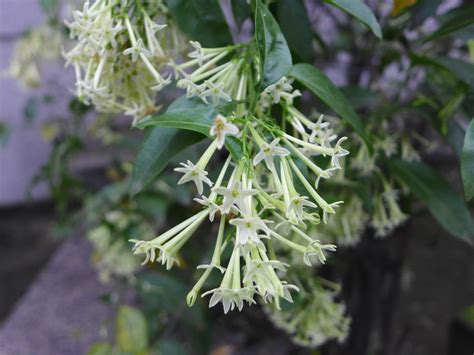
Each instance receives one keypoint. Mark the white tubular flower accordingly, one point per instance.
(268, 152)
(297, 205)
(169, 242)
(339, 152)
(314, 318)
(380, 221)
(136, 50)
(234, 197)
(390, 197)
(195, 174)
(230, 298)
(248, 228)
(231, 293)
(144, 247)
(221, 128)
(197, 53)
(279, 89)
(317, 249)
(210, 204)
(112, 54)
(215, 91)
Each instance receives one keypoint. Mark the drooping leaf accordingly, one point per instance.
(241, 10)
(435, 192)
(455, 20)
(360, 11)
(131, 331)
(322, 87)
(201, 20)
(159, 147)
(275, 56)
(467, 162)
(296, 27)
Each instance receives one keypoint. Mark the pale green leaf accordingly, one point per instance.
(467, 162)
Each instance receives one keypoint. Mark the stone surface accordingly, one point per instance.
(61, 314)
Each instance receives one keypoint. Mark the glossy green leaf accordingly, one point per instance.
(275, 56)
(131, 331)
(467, 162)
(435, 192)
(190, 114)
(201, 20)
(456, 20)
(296, 27)
(194, 115)
(159, 147)
(314, 80)
(360, 11)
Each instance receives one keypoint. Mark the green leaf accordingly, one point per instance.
(201, 20)
(322, 87)
(170, 347)
(360, 11)
(456, 19)
(131, 331)
(159, 147)
(467, 162)
(455, 136)
(435, 192)
(296, 27)
(462, 70)
(194, 115)
(241, 10)
(275, 56)
(191, 114)
(167, 293)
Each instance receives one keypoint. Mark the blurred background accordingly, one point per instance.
(67, 288)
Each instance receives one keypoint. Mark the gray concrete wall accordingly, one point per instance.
(25, 150)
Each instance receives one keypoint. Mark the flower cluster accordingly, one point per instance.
(121, 54)
(267, 196)
(314, 318)
(36, 47)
